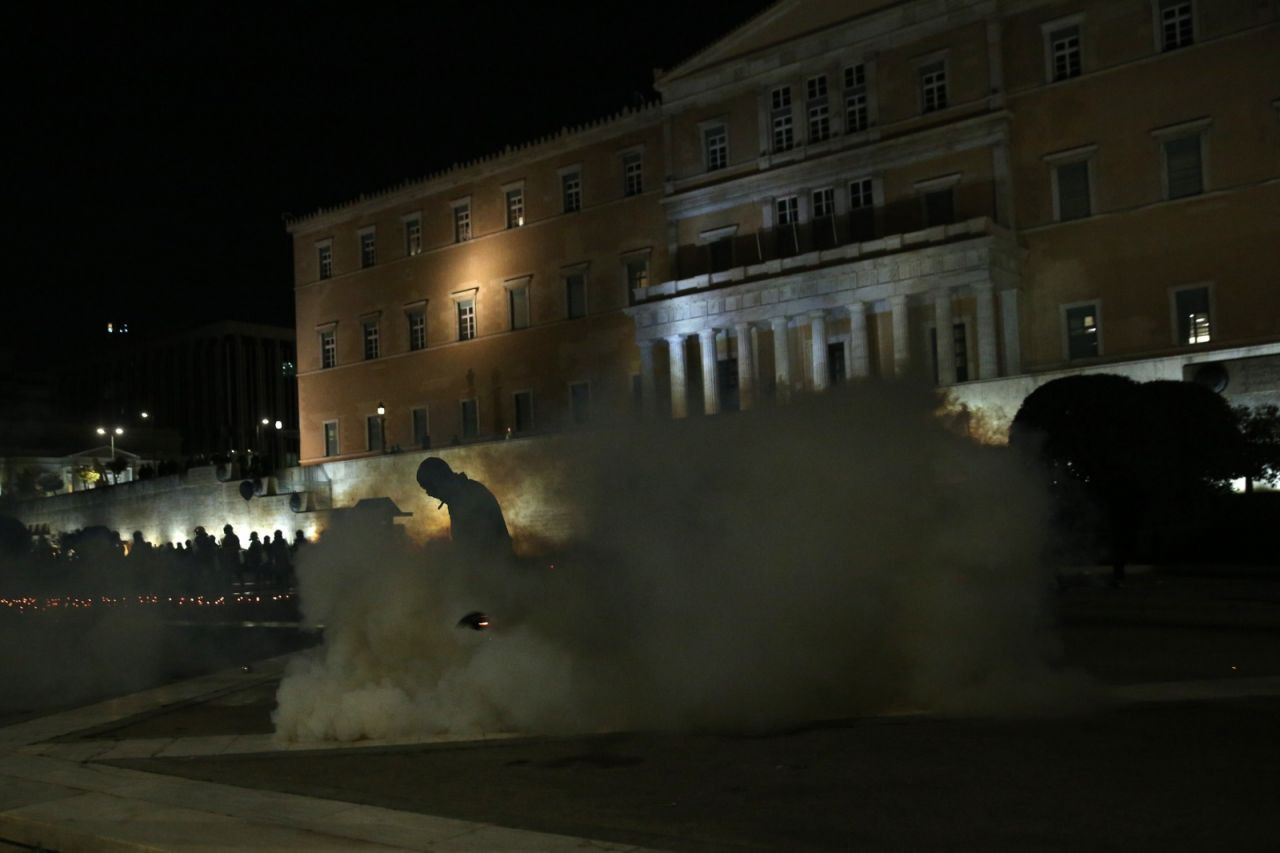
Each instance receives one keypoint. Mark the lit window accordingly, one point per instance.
(518, 301)
(1073, 190)
(462, 222)
(1064, 52)
(324, 260)
(632, 174)
(466, 319)
(330, 438)
(576, 295)
(824, 202)
(328, 349)
(571, 191)
(368, 249)
(783, 132)
(524, 411)
(1082, 331)
(1184, 166)
(716, 147)
(371, 343)
(1177, 24)
(413, 235)
(1191, 307)
(933, 86)
(788, 210)
(637, 274)
(515, 208)
(417, 330)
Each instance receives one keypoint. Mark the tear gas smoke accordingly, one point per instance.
(848, 554)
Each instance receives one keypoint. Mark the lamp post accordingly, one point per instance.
(112, 433)
(382, 426)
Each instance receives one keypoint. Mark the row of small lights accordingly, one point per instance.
(266, 422)
(26, 603)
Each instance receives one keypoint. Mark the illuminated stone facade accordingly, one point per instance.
(1059, 186)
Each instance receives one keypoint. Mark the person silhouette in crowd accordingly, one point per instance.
(252, 559)
(231, 554)
(281, 565)
(298, 540)
(139, 547)
(476, 525)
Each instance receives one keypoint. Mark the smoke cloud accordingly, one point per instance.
(849, 554)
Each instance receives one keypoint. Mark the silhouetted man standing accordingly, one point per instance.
(476, 524)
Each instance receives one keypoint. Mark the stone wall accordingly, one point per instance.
(521, 473)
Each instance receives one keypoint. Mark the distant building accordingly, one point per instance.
(987, 193)
(213, 385)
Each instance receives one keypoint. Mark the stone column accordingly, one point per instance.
(818, 334)
(986, 313)
(901, 341)
(859, 352)
(943, 336)
(679, 394)
(746, 367)
(648, 380)
(781, 359)
(710, 378)
(1012, 334)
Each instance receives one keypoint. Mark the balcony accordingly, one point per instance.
(808, 245)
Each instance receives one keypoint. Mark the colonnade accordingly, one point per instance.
(859, 351)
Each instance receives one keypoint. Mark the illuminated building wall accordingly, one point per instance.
(983, 194)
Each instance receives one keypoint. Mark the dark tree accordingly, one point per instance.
(117, 467)
(1132, 450)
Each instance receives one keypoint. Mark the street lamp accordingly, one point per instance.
(382, 425)
(113, 433)
(144, 415)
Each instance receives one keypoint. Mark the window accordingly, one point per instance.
(328, 349)
(524, 411)
(324, 259)
(371, 343)
(515, 207)
(580, 402)
(466, 319)
(1071, 185)
(518, 302)
(462, 222)
(860, 194)
(1191, 310)
(576, 295)
(632, 174)
(819, 114)
(939, 208)
(1184, 167)
(1082, 331)
(637, 274)
(470, 418)
(413, 235)
(783, 132)
(420, 426)
(571, 191)
(933, 86)
(824, 202)
(856, 118)
(1177, 24)
(720, 252)
(330, 438)
(715, 146)
(373, 427)
(788, 210)
(1063, 46)
(368, 248)
(417, 330)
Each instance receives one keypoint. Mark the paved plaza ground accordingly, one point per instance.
(1182, 755)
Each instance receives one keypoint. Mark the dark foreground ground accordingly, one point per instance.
(1149, 770)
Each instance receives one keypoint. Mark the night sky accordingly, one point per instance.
(158, 146)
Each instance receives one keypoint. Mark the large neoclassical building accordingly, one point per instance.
(985, 193)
